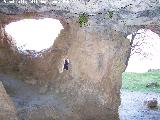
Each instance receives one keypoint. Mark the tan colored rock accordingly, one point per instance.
(7, 108)
(92, 84)
(98, 55)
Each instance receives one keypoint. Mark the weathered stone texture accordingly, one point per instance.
(92, 84)
(7, 108)
(98, 54)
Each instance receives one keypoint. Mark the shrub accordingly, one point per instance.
(110, 14)
(83, 19)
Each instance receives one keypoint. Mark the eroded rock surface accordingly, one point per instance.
(127, 14)
(7, 108)
(94, 78)
(98, 54)
(88, 88)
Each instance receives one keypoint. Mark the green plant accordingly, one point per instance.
(83, 19)
(110, 14)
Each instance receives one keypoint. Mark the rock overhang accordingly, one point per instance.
(97, 59)
(128, 15)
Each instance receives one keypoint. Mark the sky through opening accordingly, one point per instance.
(32, 34)
(140, 64)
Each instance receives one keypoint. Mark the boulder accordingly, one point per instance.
(151, 103)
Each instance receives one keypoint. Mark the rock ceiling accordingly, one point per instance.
(126, 13)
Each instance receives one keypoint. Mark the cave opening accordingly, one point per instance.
(144, 51)
(34, 35)
(31, 50)
(140, 81)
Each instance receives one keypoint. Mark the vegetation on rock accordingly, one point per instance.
(83, 19)
(110, 14)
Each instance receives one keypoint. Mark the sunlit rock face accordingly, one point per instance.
(98, 54)
(92, 83)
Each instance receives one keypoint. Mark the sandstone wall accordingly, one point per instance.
(9, 57)
(97, 52)
(91, 86)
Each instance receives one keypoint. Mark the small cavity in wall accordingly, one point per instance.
(64, 65)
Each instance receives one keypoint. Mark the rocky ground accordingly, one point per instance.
(33, 105)
(133, 108)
